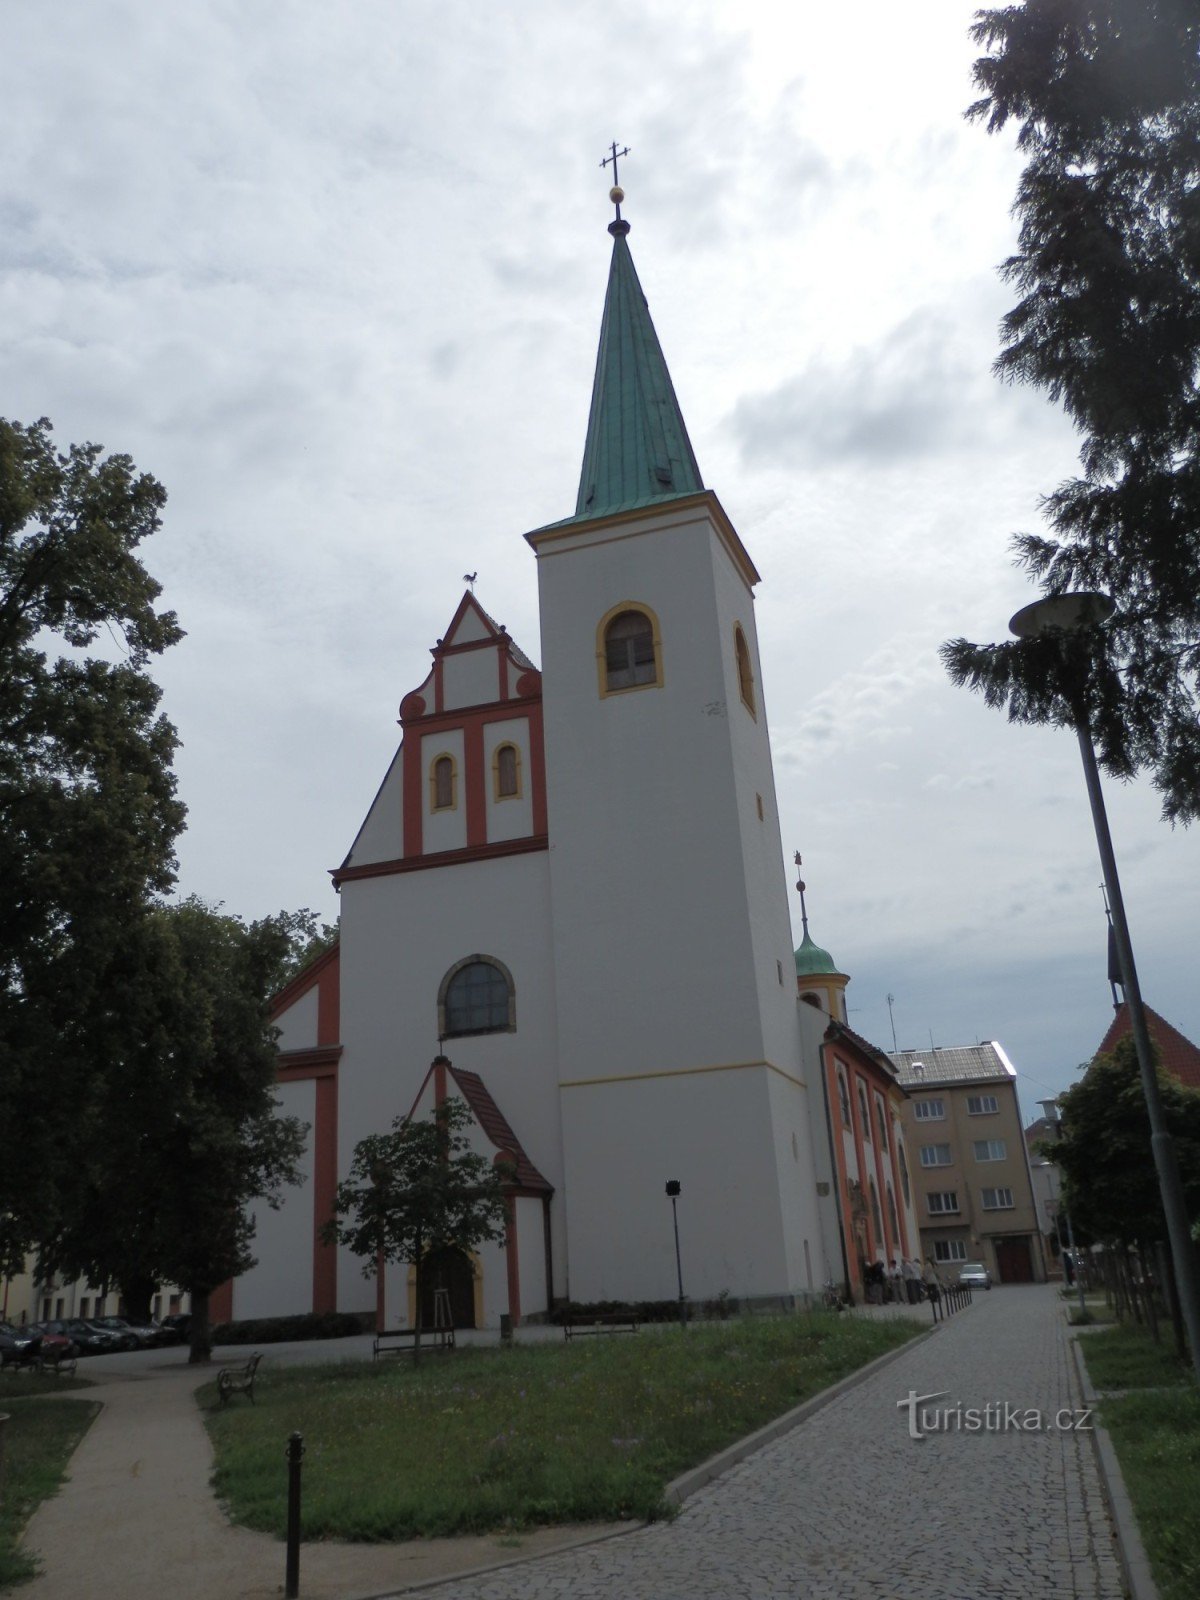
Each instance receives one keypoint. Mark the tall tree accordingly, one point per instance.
(88, 813)
(182, 1126)
(418, 1190)
(1105, 95)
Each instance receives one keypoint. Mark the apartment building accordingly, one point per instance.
(973, 1189)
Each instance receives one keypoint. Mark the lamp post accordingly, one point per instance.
(1050, 1112)
(1064, 615)
(673, 1193)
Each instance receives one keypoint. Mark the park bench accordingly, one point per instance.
(605, 1322)
(59, 1362)
(238, 1380)
(399, 1341)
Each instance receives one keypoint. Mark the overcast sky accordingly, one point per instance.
(333, 272)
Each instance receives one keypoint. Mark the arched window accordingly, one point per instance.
(745, 675)
(893, 1222)
(876, 1218)
(863, 1113)
(628, 649)
(844, 1097)
(506, 772)
(904, 1174)
(881, 1123)
(476, 996)
(443, 785)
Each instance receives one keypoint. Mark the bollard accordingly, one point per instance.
(295, 1455)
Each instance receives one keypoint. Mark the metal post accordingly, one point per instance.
(673, 1188)
(295, 1455)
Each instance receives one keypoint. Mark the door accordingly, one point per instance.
(1014, 1261)
(451, 1270)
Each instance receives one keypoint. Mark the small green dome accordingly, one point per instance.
(811, 960)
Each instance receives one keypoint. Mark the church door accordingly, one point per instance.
(448, 1269)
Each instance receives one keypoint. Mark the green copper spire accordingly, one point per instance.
(637, 446)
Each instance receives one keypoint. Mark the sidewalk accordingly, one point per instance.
(846, 1507)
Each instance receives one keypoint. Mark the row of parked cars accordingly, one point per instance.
(65, 1338)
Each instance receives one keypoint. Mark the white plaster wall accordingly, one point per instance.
(712, 1131)
(400, 935)
(282, 1282)
(298, 1024)
(531, 1257)
(443, 830)
(471, 627)
(470, 679)
(381, 837)
(512, 817)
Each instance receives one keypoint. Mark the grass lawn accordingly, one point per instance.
(1157, 1440)
(38, 1441)
(1126, 1357)
(486, 1439)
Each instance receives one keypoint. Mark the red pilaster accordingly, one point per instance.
(324, 1292)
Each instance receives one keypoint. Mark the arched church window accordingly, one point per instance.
(844, 1097)
(876, 1216)
(629, 651)
(863, 1113)
(476, 996)
(506, 772)
(745, 676)
(443, 785)
(903, 1174)
(893, 1222)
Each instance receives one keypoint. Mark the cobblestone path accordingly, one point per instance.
(849, 1507)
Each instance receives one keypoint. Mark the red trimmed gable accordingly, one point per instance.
(323, 973)
(1179, 1055)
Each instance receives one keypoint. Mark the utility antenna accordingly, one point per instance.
(891, 1018)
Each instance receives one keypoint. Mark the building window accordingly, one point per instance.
(981, 1105)
(949, 1250)
(443, 785)
(990, 1149)
(876, 1215)
(864, 1114)
(907, 1192)
(629, 650)
(929, 1110)
(844, 1097)
(745, 675)
(881, 1122)
(759, 804)
(935, 1155)
(939, 1204)
(893, 1221)
(506, 772)
(476, 996)
(998, 1200)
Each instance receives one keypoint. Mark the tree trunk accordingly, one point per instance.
(201, 1334)
(136, 1294)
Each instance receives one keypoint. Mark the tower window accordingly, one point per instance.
(629, 652)
(506, 772)
(476, 996)
(745, 675)
(443, 785)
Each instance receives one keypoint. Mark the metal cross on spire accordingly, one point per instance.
(616, 194)
(800, 884)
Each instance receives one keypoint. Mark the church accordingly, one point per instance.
(568, 894)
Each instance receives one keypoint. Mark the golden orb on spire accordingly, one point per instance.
(616, 194)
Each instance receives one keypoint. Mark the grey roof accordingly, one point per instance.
(971, 1063)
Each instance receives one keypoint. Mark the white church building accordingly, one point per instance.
(569, 888)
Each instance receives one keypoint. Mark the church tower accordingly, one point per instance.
(679, 1043)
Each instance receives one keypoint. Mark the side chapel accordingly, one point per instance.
(571, 876)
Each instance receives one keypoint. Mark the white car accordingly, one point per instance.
(974, 1276)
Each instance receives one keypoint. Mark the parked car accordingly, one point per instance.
(54, 1345)
(87, 1341)
(179, 1323)
(974, 1276)
(18, 1346)
(127, 1338)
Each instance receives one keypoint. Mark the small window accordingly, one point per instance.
(630, 652)
(759, 804)
(506, 772)
(949, 1250)
(981, 1105)
(935, 1155)
(443, 785)
(477, 996)
(939, 1204)
(990, 1149)
(998, 1200)
(745, 676)
(929, 1110)
(881, 1122)
(844, 1097)
(863, 1113)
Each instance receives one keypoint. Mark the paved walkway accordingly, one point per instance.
(846, 1507)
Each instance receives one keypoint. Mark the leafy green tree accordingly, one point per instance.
(181, 1131)
(1110, 1184)
(88, 813)
(1105, 96)
(417, 1190)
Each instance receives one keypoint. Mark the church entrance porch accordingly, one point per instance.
(451, 1272)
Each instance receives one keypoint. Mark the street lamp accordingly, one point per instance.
(1050, 1113)
(1064, 615)
(673, 1193)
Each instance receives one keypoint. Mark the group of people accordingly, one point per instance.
(903, 1281)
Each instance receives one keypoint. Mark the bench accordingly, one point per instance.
(607, 1322)
(238, 1380)
(401, 1340)
(59, 1362)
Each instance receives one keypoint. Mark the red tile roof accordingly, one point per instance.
(1180, 1056)
(492, 1120)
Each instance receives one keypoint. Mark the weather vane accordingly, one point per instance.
(616, 194)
